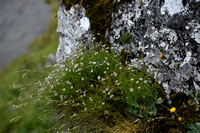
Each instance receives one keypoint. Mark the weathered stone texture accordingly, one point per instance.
(157, 27)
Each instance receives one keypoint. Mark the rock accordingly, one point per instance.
(168, 27)
(156, 27)
(74, 28)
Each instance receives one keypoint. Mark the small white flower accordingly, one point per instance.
(64, 89)
(71, 87)
(98, 77)
(107, 89)
(111, 96)
(108, 93)
(141, 79)
(91, 71)
(103, 103)
(137, 82)
(91, 85)
(138, 87)
(75, 66)
(105, 72)
(104, 91)
(94, 63)
(131, 89)
(132, 79)
(106, 58)
(108, 63)
(145, 81)
(85, 109)
(107, 68)
(120, 68)
(82, 78)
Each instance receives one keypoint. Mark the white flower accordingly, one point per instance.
(85, 109)
(103, 103)
(91, 71)
(108, 63)
(131, 89)
(120, 68)
(111, 96)
(137, 82)
(145, 81)
(82, 78)
(75, 66)
(138, 87)
(63, 89)
(71, 87)
(141, 79)
(98, 77)
(132, 79)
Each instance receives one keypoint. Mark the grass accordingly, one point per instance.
(94, 90)
(13, 73)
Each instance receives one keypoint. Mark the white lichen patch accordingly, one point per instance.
(72, 25)
(187, 58)
(196, 31)
(172, 7)
(85, 23)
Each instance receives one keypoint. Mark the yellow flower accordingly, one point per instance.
(161, 56)
(197, 107)
(189, 101)
(179, 118)
(172, 110)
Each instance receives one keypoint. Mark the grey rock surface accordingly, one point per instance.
(167, 27)
(20, 22)
(74, 29)
(156, 27)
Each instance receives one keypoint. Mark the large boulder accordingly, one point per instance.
(162, 36)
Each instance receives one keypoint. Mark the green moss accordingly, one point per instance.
(99, 13)
(125, 38)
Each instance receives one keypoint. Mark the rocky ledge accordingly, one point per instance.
(162, 36)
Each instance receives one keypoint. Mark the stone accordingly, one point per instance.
(166, 27)
(74, 29)
(156, 27)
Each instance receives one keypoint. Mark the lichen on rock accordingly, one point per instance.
(162, 27)
(154, 28)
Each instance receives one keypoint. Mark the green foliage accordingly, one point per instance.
(94, 84)
(194, 128)
(125, 38)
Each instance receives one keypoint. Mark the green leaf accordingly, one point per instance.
(159, 100)
(191, 94)
(198, 124)
(132, 102)
(153, 111)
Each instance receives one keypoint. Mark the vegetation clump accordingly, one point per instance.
(94, 87)
(125, 38)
